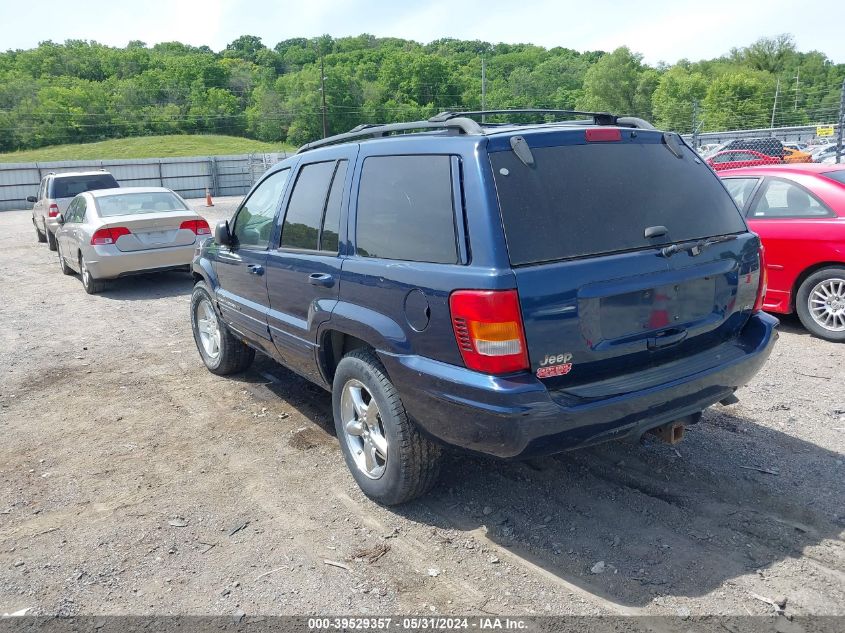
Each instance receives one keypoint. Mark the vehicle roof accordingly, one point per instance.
(115, 191)
(91, 172)
(786, 168)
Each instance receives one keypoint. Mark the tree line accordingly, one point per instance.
(83, 91)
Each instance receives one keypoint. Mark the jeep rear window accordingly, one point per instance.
(581, 200)
(73, 185)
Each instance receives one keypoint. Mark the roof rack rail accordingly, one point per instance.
(599, 118)
(460, 124)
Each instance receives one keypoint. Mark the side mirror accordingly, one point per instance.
(221, 233)
(60, 218)
(31, 199)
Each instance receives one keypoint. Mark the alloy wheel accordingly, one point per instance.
(363, 429)
(826, 304)
(209, 328)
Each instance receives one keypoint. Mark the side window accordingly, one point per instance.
(722, 158)
(254, 221)
(785, 199)
(330, 233)
(740, 189)
(79, 211)
(42, 189)
(307, 203)
(71, 209)
(405, 209)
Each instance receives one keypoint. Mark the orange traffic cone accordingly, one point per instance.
(208, 201)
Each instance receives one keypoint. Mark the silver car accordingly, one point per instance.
(110, 233)
(54, 195)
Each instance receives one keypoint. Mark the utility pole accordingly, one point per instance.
(841, 124)
(797, 79)
(483, 88)
(695, 124)
(774, 107)
(323, 95)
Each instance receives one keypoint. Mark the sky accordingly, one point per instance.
(661, 30)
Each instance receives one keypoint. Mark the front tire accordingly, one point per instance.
(221, 352)
(66, 270)
(386, 454)
(820, 304)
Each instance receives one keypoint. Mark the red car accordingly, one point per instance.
(798, 210)
(736, 158)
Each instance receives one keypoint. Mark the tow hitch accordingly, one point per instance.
(671, 433)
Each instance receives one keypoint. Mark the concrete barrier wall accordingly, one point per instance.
(189, 177)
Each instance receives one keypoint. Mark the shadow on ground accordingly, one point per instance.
(149, 286)
(648, 518)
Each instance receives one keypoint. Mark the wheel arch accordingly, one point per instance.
(802, 277)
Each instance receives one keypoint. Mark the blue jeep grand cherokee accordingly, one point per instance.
(512, 289)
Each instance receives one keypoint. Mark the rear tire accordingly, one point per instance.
(92, 286)
(38, 234)
(51, 240)
(402, 463)
(221, 352)
(66, 270)
(820, 304)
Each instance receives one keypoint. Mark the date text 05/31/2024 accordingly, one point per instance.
(431, 623)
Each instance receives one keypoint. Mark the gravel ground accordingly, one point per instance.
(133, 481)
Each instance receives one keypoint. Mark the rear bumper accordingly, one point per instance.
(107, 262)
(518, 417)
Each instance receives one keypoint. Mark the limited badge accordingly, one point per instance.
(555, 365)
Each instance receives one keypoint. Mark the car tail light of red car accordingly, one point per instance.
(200, 227)
(764, 281)
(489, 331)
(108, 235)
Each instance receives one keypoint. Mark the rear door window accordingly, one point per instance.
(581, 200)
(301, 229)
(406, 210)
(70, 186)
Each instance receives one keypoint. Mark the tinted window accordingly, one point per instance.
(69, 186)
(254, 222)
(307, 202)
(139, 203)
(599, 198)
(784, 199)
(331, 222)
(838, 176)
(741, 189)
(405, 209)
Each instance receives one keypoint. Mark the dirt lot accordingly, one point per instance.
(134, 481)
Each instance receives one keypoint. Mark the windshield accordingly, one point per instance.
(139, 203)
(598, 198)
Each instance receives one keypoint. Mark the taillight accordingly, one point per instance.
(602, 134)
(53, 211)
(108, 235)
(200, 227)
(764, 281)
(488, 329)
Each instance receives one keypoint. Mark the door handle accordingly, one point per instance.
(667, 339)
(321, 279)
(255, 269)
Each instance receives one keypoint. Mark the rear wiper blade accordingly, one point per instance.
(694, 248)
